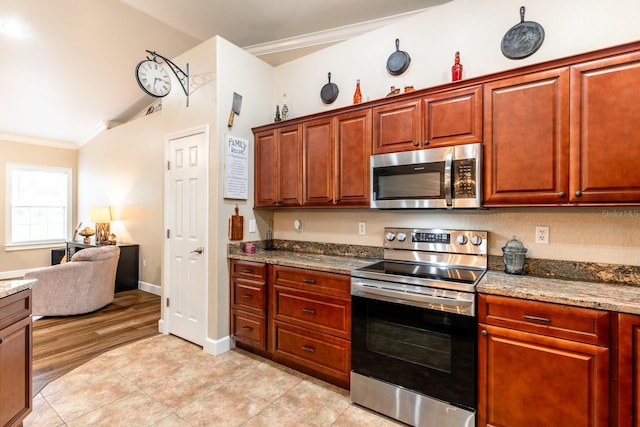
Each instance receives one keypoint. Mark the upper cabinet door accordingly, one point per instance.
(266, 168)
(526, 136)
(290, 166)
(318, 162)
(353, 150)
(397, 127)
(453, 117)
(605, 130)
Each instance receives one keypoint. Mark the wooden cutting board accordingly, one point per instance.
(236, 226)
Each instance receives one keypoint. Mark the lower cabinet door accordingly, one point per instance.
(532, 380)
(249, 329)
(313, 351)
(628, 364)
(15, 372)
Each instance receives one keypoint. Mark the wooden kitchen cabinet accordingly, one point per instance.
(526, 139)
(627, 394)
(249, 304)
(310, 322)
(15, 358)
(605, 113)
(336, 160)
(541, 364)
(452, 117)
(397, 127)
(278, 167)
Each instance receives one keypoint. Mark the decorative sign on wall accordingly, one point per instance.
(236, 168)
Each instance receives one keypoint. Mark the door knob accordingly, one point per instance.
(198, 250)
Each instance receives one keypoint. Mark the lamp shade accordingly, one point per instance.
(101, 214)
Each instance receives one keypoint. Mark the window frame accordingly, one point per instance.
(10, 245)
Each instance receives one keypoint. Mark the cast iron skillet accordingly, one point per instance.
(522, 39)
(329, 92)
(399, 61)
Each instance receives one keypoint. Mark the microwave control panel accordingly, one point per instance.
(464, 183)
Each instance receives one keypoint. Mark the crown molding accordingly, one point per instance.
(38, 141)
(333, 35)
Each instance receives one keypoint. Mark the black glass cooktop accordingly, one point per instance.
(425, 271)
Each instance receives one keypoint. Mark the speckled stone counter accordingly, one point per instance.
(10, 287)
(600, 286)
(604, 296)
(313, 261)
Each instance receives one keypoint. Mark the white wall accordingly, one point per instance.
(217, 69)
(475, 28)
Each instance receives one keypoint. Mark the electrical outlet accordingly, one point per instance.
(362, 228)
(542, 235)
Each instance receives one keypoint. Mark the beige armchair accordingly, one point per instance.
(83, 285)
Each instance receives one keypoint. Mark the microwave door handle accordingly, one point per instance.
(448, 171)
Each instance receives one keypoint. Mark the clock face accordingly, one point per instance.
(153, 78)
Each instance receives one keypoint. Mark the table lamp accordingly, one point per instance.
(102, 216)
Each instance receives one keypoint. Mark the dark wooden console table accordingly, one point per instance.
(128, 264)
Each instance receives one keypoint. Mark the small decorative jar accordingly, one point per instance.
(514, 256)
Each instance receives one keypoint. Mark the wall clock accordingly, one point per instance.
(153, 78)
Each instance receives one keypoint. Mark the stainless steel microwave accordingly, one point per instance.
(433, 178)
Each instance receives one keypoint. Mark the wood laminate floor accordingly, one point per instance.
(61, 344)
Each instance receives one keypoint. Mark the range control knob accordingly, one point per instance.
(390, 236)
(402, 237)
(462, 239)
(476, 240)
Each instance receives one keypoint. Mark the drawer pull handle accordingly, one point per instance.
(247, 270)
(537, 319)
(246, 296)
(247, 328)
(309, 310)
(308, 281)
(308, 349)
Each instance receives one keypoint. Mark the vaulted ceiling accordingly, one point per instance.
(70, 69)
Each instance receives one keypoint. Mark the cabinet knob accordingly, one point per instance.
(426, 142)
(416, 143)
(578, 193)
(273, 202)
(329, 200)
(484, 332)
(561, 194)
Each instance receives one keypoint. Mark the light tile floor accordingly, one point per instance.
(166, 381)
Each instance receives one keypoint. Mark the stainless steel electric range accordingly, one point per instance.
(414, 324)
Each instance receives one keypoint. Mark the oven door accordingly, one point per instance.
(425, 350)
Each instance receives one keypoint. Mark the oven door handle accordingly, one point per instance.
(409, 298)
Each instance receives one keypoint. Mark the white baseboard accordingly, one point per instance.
(162, 327)
(217, 347)
(150, 287)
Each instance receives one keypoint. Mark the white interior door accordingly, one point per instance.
(186, 209)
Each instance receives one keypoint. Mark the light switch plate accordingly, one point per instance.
(252, 226)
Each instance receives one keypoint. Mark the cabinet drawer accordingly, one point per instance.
(322, 313)
(248, 269)
(248, 295)
(573, 323)
(249, 328)
(319, 352)
(310, 280)
(14, 308)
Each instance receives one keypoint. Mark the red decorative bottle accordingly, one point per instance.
(357, 95)
(456, 69)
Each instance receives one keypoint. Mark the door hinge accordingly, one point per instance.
(167, 302)
(168, 233)
(168, 165)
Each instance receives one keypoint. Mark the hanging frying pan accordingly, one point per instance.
(522, 39)
(329, 92)
(399, 61)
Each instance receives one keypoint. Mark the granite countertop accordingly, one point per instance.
(321, 262)
(600, 295)
(10, 287)
(598, 286)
